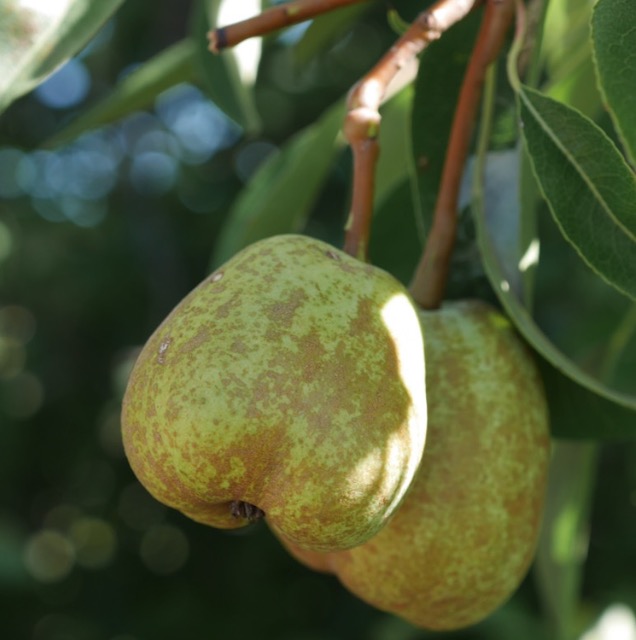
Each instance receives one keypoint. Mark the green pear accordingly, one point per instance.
(287, 385)
(463, 538)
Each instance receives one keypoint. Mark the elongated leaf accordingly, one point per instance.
(590, 189)
(437, 86)
(280, 194)
(139, 89)
(220, 72)
(580, 410)
(325, 30)
(567, 55)
(614, 43)
(581, 406)
(562, 549)
(395, 245)
(35, 39)
(395, 160)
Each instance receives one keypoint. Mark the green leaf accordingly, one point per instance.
(589, 188)
(614, 44)
(325, 30)
(437, 86)
(581, 406)
(580, 411)
(619, 363)
(567, 53)
(36, 39)
(563, 543)
(220, 72)
(137, 90)
(280, 194)
(395, 160)
(395, 244)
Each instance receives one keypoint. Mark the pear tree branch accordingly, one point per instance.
(429, 281)
(271, 20)
(363, 118)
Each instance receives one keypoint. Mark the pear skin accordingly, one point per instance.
(287, 385)
(465, 535)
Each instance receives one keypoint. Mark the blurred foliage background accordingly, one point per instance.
(99, 239)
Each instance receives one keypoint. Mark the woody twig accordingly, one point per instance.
(362, 122)
(429, 281)
(363, 118)
(271, 20)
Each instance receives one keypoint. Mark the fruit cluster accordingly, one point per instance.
(404, 451)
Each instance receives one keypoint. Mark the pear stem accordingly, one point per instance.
(428, 285)
(363, 118)
(272, 19)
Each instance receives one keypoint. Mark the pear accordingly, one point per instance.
(463, 538)
(288, 385)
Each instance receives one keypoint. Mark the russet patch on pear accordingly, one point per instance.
(286, 385)
(464, 536)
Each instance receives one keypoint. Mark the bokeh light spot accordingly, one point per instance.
(135, 126)
(17, 322)
(21, 395)
(67, 87)
(251, 156)
(199, 126)
(12, 357)
(153, 173)
(35, 171)
(84, 213)
(48, 556)
(157, 140)
(91, 174)
(9, 161)
(61, 517)
(164, 549)
(95, 542)
(49, 209)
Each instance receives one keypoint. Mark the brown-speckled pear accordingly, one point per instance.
(464, 537)
(287, 384)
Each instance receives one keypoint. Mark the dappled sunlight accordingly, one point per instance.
(296, 390)
(400, 318)
(385, 467)
(616, 623)
(248, 53)
(531, 257)
(46, 8)
(74, 183)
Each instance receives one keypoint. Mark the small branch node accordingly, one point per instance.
(429, 280)
(272, 19)
(360, 124)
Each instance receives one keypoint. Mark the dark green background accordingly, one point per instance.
(75, 304)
